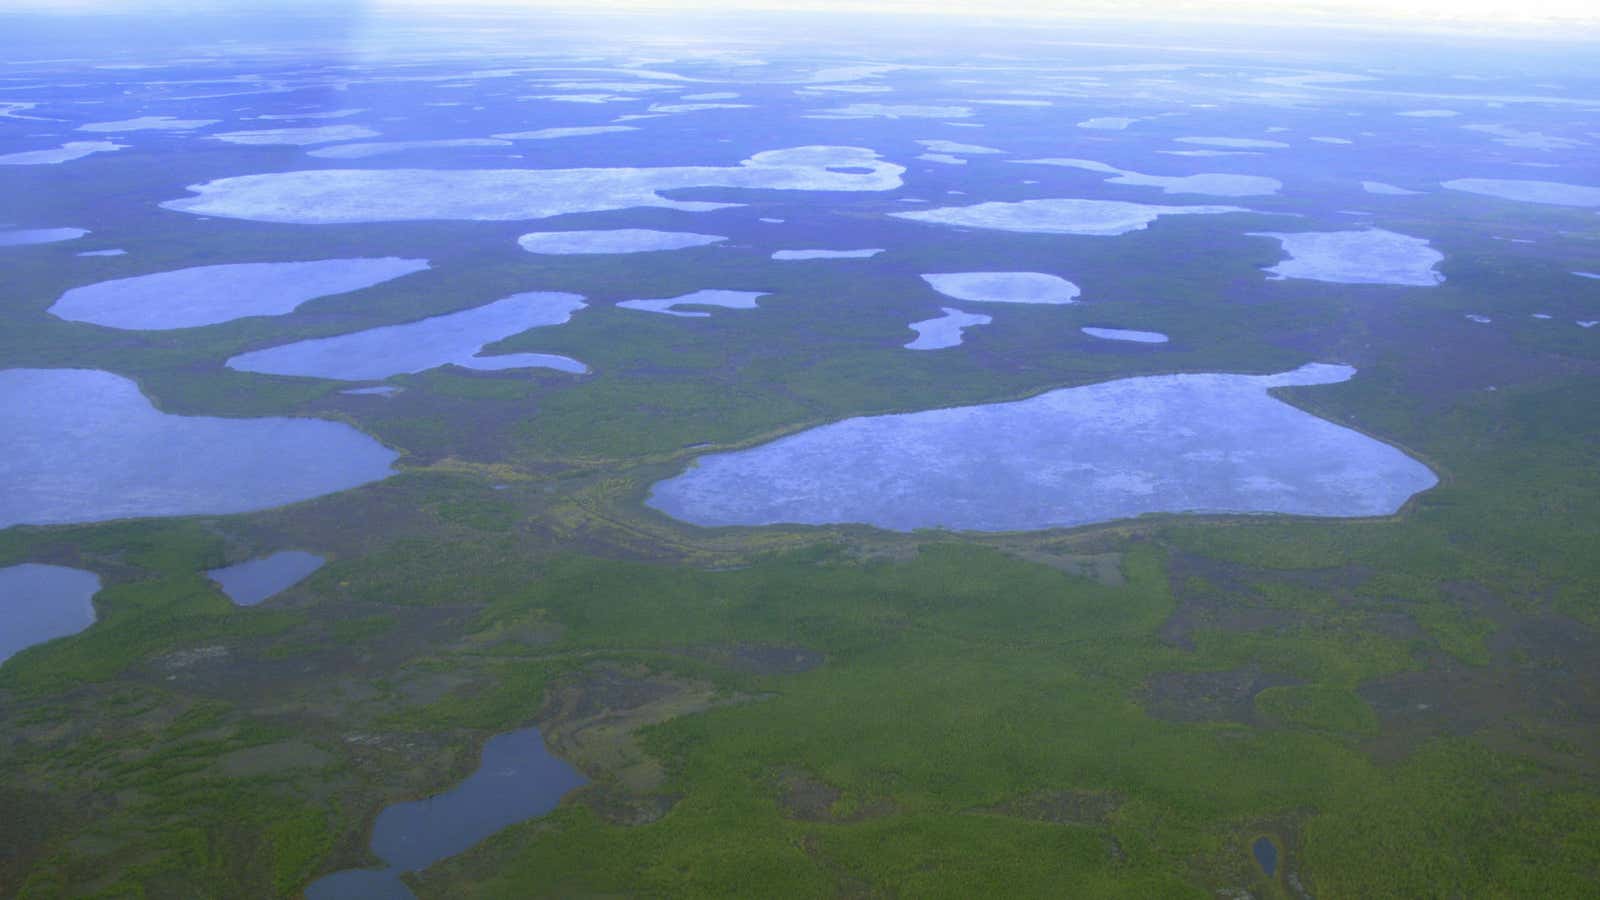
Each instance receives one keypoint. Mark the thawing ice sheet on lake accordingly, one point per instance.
(297, 137)
(892, 111)
(207, 295)
(1108, 123)
(546, 134)
(86, 446)
(253, 581)
(1554, 193)
(1233, 143)
(1379, 187)
(956, 148)
(827, 254)
(1004, 287)
(1059, 216)
(945, 331)
(379, 148)
(65, 153)
(668, 305)
(23, 237)
(1373, 256)
(620, 240)
(40, 603)
(1217, 184)
(942, 158)
(456, 338)
(1207, 443)
(326, 196)
(1123, 334)
(147, 123)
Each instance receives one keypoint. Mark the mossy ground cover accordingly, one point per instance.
(1221, 678)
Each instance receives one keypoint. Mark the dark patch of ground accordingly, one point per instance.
(1069, 807)
(1221, 696)
(1543, 663)
(807, 798)
(592, 717)
(758, 659)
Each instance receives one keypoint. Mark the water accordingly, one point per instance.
(1171, 443)
(249, 583)
(87, 446)
(517, 780)
(40, 603)
(1266, 854)
(456, 338)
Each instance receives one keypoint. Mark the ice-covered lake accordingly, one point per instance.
(1206, 443)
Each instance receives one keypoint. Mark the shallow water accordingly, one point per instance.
(1174, 443)
(23, 237)
(40, 603)
(456, 338)
(1125, 334)
(86, 446)
(517, 780)
(249, 583)
(945, 331)
(208, 295)
(1266, 853)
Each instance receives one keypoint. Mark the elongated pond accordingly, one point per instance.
(518, 779)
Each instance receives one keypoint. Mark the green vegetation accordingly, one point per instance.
(1405, 704)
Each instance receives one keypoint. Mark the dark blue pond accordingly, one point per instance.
(1266, 854)
(39, 603)
(249, 583)
(517, 780)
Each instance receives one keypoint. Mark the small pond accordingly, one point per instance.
(517, 780)
(40, 603)
(249, 583)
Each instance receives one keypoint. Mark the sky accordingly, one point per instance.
(1484, 14)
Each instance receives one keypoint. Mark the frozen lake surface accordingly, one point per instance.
(619, 240)
(945, 331)
(826, 254)
(86, 446)
(249, 583)
(1216, 184)
(1233, 143)
(297, 137)
(23, 237)
(1058, 216)
(1208, 443)
(1004, 287)
(456, 338)
(1379, 187)
(40, 603)
(1554, 193)
(207, 295)
(669, 305)
(364, 149)
(65, 153)
(516, 780)
(147, 123)
(1123, 334)
(326, 196)
(1373, 256)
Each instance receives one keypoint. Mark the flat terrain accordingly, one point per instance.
(1403, 704)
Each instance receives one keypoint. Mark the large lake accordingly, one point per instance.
(1172, 443)
(86, 446)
